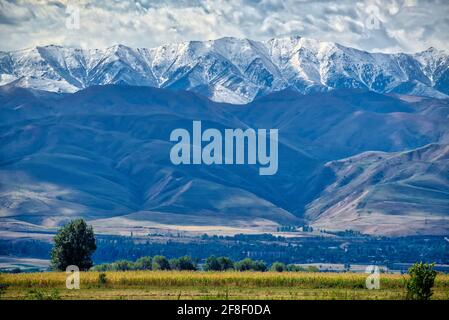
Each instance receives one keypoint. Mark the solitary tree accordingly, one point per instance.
(74, 245)
(422, 278)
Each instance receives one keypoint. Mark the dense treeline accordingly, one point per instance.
(268, 248)
(186, 263)
(287, 250)
(25, 248)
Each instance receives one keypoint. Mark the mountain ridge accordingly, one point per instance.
(230, 69)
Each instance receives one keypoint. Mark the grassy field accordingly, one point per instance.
(209, 285)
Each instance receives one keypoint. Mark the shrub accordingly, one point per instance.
(3, 287)
(422, 278)
(40, 294)
(313, 269)
(102, 278)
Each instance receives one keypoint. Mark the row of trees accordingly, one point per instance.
(187, 263)
(149, 263)
(75, 243)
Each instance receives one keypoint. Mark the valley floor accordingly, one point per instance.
(209, 285)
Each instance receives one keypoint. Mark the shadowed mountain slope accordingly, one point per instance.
(103, 153)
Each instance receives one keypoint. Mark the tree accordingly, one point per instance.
(212, 264)
(259, 265)
(226, 263)
(143, 263)
(422, 278)
(183, 263)
(278, 267)
(74, 245)
(102, 267)
(160, 263)
(294, 268)
(186, 263)
(123, 265)
(249, 264)
(244, 265)
(218, 264)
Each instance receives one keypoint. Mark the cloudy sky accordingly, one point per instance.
(376, 25)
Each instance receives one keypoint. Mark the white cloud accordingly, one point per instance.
(406, 25)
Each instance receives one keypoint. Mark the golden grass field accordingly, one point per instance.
(210, 285)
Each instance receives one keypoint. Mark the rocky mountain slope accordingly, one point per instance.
(388, 193)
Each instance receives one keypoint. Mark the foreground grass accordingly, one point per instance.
(210, 285)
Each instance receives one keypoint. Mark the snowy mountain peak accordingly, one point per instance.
(230, 69)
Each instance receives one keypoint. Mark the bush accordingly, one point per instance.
(278, 267)
(41, 294)
(312, 269)
(3, 287)
(160, 263)
(422, 278)
(102, 278)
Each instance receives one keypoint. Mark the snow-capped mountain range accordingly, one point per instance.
(229, 69)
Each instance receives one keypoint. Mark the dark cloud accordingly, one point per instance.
(406, 25)
(11, 14)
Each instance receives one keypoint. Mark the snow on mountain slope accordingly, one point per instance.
(229, 69)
